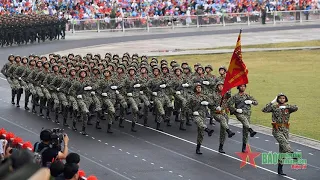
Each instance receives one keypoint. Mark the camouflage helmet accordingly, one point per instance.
(108, 55)
(63, 67)
(154, 59)
(222, 67)
(78, 65)
(172, 62)
(144, 58)
(11, 55)
(106, 70)
(196, 85)
(121, 67)
(208, 66)
(187, 67)
(219, 83)
(177, 68)
(156, 67)
(143, 66)
(53, 65)
(280, 95)
(70, 62)
(82, 70)
(132, 68)
(184, 63)
(46, 62)
(25, 57)
(96, 68)
(71, 69)
(199, 68)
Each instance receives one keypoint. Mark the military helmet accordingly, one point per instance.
(46, 62)
(281, 94)
(219, 83)
(132, 68)
(11, 55)
(122, 67)
(200, 67)
(208, 66)
(156, 67)
(82, 70)
(71, 69)
(24, 57)
(62, 67)
(238, 87)
(222, 67)
(184, 63)
(196, 85)
(53, 65)
(96, 68)
(106, 70)
(108, 55)
(177, 68)
(172, 62)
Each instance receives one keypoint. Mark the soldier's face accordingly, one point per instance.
(178, 72)
(164, 70)
(184, 66)
(77, 68)
(101, 67)
(46, 65)
(242, 88)
(85, 68)
(131, 72)
(11, 58)
(24, 61)
(107, 74)
(208, 70)
(200, 70)
(51, 56)
(69, 65)
(143, 70)
(95, 71)
(63, 70)
(91, 64)
(186, 71)
(222, 72)
(282, 99)
(56, 68)
(119, 70)
(198, 89)
(156, 72)
(220, 87)
(73, 73)
(83, 74)
(110, 68)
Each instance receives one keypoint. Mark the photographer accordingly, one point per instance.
(50, 147)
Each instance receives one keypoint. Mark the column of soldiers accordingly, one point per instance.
(24, 29)
(110, 87)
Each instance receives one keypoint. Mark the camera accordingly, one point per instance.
(56, 137)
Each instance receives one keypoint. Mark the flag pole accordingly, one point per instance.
(226, 72)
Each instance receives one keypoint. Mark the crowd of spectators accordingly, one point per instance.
(94, 9)
(18, 161)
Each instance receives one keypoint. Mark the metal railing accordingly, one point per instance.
(197, 21)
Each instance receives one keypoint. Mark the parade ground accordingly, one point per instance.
(290, 65)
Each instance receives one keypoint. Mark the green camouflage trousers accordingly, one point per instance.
(223, 119)
(200, 121)
(109, 103)
(15, 84)
(63, 99)
(73, 103)
(32, 89)
(180, 103)
(92, 100)
(163, 107)
(282, 136)
(134, 106)
(245, 120)
(56, 101)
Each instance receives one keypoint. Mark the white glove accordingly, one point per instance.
(79, 96)
(117, 92)
(93, 93)
(104, 94)
(206, 82)
(88, 88)
(185, 85)
(41, 86)
(282, 107)
(163, 85)
(58, 89)
(129, 94)
(151, 102)
(196, 113)
(248, 101)
(136, 85)
(205, 103)
(19, 78)
(141, 92)
(155, 93)
(114, 87)
(239, 111)
(178, 92)
(218, 108)
(275, 100)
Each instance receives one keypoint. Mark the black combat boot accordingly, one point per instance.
(74, 126)
(20, 91)
(26, 106)
(182, 128)
(56, 119)
(221, 149)
(83, 132)
(158, 127)
(177, 114)
(252, 133)
(198, 149)
(133, 124)
(168, 122)
(98, 125)
(109, 129)
(65, 116)
(280, 170)
(188, 120)
(120, 122)
(209, 131)
(244, 145)
(145, 121)
(230, 133)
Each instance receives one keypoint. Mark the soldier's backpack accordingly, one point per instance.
(38, 155)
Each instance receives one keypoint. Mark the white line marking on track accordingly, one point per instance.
(128, 153)
(170, 172)
(257, 137)
(266, 140)
(311, 154)
(180, 175)
(124, 173)
(161, 167)
(298, 150)
(133, 177)
(204, 147)
(37, 134)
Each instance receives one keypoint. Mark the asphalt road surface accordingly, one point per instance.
(148, 153)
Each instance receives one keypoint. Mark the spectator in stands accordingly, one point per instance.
(73, 158)
(56, 170)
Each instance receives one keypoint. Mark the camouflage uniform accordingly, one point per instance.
(237, 102)
(25, 83)
(31, 80)
(94, 100)
(199, 106)
(145, 93)
(15, 81)
(77, 90)
(280, 122)
(218, 109)
(120, 91)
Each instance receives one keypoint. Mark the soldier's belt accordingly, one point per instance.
(220, 112)
(277, 125)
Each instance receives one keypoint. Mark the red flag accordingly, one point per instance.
(237, 73)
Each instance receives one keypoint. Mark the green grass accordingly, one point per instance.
(295, 73)
(273, 45)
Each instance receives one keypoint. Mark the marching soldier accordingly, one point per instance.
(16, 80)
(240, 105)
(218, 109)
(222, 72)
(199, 104)
(4, 71)
(145, 92)
(280, 122)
